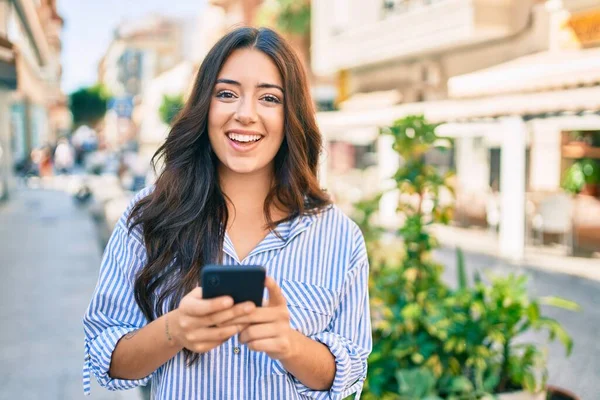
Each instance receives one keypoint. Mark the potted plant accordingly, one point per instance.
(498, 315)
(432, 341)
(583, 177)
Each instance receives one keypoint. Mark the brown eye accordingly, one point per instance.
(225, 94)
(271, 99)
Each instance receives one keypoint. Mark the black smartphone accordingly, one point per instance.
(241, 282)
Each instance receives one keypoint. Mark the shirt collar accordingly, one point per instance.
(283, 234)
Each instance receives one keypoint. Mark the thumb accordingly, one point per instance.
(196, 293)
(276, 297)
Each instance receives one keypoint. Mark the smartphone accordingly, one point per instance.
(241, 282)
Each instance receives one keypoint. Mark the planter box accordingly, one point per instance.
(522, 395)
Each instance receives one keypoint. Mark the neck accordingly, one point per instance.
(247, 192)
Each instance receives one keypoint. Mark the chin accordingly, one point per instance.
(243, 166)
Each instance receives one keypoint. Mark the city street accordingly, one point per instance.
(50, 253)
(49, 258)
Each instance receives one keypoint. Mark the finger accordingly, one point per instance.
(202, 307)
(258, 316)
(270, 345)
(276, 297)
(203, 347)
(258, 332)
(219, 334)
(221, 317)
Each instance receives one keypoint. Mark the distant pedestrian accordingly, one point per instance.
(64, 156)
(238, 186)
(42, 158)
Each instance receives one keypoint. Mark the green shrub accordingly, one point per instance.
(432, 341)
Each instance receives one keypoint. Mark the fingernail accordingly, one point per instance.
(248, 307)
(227, 302)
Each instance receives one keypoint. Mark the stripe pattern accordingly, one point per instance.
(319, 261)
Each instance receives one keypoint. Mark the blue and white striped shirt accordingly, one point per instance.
(321, 264)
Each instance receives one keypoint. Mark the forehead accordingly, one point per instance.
(250, 66)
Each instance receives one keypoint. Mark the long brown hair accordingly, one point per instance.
(185, 216)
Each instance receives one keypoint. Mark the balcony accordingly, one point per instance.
(375, 32)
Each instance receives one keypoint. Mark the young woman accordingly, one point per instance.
(239, 187)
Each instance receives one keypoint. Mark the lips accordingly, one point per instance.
(243, 140)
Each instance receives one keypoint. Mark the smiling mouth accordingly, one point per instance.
(244, 139)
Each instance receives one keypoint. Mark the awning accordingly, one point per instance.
(338, 123)
(371, 100)
(549, 70)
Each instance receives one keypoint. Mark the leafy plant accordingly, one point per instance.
(496, 316)
(409, 326)
(582, 172)
(432, 341)
(170, 107)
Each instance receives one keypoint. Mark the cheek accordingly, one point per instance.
(274, 124)
(217, 117)
(215, 113)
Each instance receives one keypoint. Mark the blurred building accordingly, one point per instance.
(238, 12)
(33, 108)
(140, 51)
(511, 79)
(200, 33)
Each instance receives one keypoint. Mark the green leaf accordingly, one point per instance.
(460, 384)
(529, 382)
(490, 383)
(560, 303)
(556, 330)
(461, 269)
(533, 312)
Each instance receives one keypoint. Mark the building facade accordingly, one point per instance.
(34, 109)
(509, 79)
(140, 51)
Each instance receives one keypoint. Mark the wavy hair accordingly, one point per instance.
(184, 218)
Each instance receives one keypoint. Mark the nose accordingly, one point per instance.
(246, 112)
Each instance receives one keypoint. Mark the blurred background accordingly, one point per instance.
(88, 90)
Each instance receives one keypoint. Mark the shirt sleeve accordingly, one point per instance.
(349, 336)
(113, 311)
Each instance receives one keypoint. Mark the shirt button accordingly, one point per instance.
(236, 350)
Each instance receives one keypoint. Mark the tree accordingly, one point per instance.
(294, 17)
(170, 107)
(88, 105)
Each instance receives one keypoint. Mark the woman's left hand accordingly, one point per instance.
(269, 329)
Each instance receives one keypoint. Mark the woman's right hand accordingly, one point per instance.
(197, 323)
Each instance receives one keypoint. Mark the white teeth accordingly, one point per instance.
(243, 138)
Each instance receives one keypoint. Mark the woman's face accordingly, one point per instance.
(245, 120)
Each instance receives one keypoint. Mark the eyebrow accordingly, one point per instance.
(260, 85)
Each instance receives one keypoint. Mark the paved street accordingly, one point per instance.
(49, 259)
(581, 372)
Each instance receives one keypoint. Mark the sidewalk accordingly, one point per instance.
(552, 260)
(49, 259)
